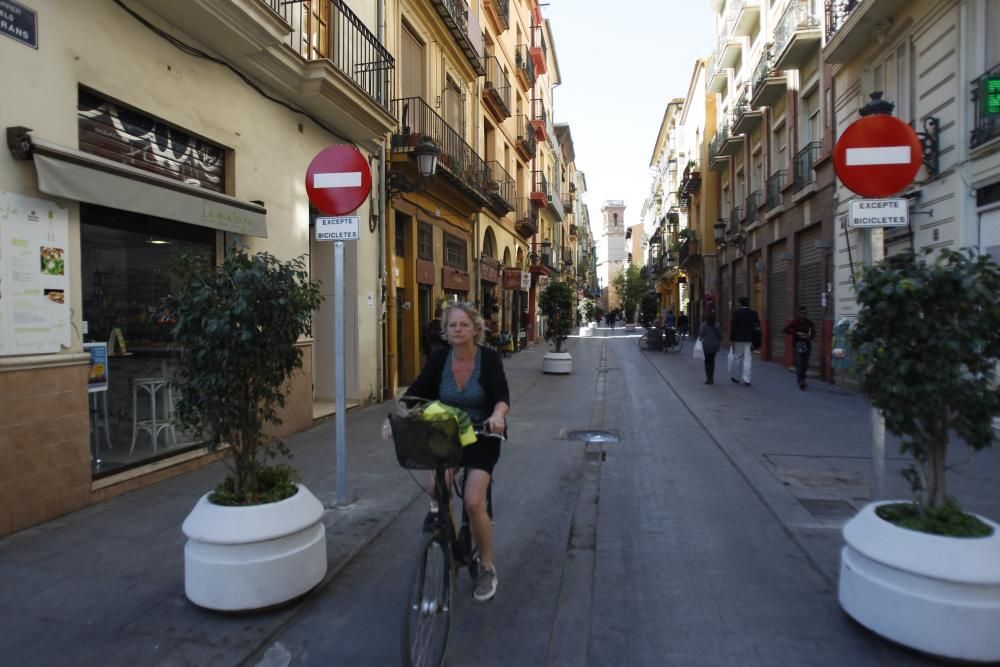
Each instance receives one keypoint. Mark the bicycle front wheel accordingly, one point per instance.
(427, 617)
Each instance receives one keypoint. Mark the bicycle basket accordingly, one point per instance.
(425, 445)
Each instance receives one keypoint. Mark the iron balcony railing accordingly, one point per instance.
(501, 185)
(742, 106)
(457, 158)
(541, 253)
(540, 113)
(753, 203)
(455, 14)
(497, 84)
(721, 136)
(502, 8)
(541, 43)
(984, 127)
(803, 173)
(539, 184)
(526, 135)
(799, 15)
(764, 68)
(774, 185)
(345, 41)
(524, 63)
(526, 217)
(837, 13)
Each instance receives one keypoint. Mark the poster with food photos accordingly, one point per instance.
(34, 276)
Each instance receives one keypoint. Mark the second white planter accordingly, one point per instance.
(936, 594)
(558, 363)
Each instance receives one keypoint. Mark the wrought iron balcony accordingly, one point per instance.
(802, 169)
(985, 127)
(768, 82)
(540, 121)
(525, 66)
(688, 250)
(735, 219)
(457, 160)
(745, 117)
(716, 160)
(344, 40)
(754, 200)
(500, 9)
(455, 14)
(730, 46)
(850, 24)
(541, 255)
(718, 76)
(526, 143)
(567, 202)
(743, 15)
(496, 89)
(539, 51)
(539, 189)
(501, 188)
(733, 143)
(774, 185)
(526, 218)
(797, 35)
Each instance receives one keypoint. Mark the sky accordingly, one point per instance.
(621, 62)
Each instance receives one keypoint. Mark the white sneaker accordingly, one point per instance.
(486, 584)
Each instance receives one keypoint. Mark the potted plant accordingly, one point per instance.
(649, 309)
(586, 307)
(257, 539)
(923, 572)
(556, 304)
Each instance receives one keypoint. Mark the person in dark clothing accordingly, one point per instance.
(683, 324)
(741, 335)
(803, 332)
(433, 335)
(710, 336)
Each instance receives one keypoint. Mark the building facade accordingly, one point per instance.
(611, 253)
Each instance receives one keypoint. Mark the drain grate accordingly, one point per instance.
(828, 509)
(592, 436)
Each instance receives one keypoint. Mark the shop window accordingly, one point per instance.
(425, 241)
(126, 271)
(455, 253)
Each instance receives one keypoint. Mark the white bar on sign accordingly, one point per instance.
(859, 157)
(346, 179)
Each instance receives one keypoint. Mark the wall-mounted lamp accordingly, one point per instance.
(720, 232)
(426, 153)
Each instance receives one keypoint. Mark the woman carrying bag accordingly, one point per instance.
(710, 337)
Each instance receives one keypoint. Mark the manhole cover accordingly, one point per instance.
(828, 509)
(592, 436)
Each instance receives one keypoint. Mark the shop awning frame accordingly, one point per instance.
(73, 174)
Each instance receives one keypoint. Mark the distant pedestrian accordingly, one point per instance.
(683, 324)
(612, 316)
(710, 336)
(671, 320)
(804, 332)
(433, 334)
(742, 328)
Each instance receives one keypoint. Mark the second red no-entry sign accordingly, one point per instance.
(878, 156)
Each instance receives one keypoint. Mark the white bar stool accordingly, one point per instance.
(154, 388)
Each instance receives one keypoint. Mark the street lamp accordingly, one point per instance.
(720, 232)
(426, 153)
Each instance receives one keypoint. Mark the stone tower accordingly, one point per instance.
(611, 250)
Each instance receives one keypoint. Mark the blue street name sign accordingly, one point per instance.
(18, 22)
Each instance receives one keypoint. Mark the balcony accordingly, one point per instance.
(343, 76)
(541, 257)
(496, 90)
(539, 189)
(567, 202)
(455, 14)
(745, 117)
(798, 35)
(457, 162)
(718, 77)
(567, 256)
(802, 169)
(743, 16)
(754, 200)
(524, 67)
(540, 121)
(986, 125)
(769, 83)
(555, 197)
(501, 188)
(690, 183)
(499, 12)
(851, 23)
(526, 143)
(525, 218)
(538, 51)
(688, 251)
(735, 219)
(716, 160)
(774, 186)
(733, 143)
(730, 47)
(573, 231)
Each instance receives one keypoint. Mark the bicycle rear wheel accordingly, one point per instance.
(427, 617)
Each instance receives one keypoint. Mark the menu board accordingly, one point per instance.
(34, 276)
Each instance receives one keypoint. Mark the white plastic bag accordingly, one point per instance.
(731, 357)
(699, 350)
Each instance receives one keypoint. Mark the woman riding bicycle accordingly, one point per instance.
(469, 376)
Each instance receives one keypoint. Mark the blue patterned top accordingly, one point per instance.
(472, 398)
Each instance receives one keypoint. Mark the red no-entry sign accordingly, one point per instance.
(877, 156)
(338, 180)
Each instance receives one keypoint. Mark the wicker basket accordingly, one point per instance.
(426, 445)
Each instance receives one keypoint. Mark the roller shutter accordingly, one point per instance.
(725, 307)
(809, 291)
(777, 298)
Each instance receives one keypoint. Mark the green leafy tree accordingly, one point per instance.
(237, 325)
(927, 342)
(587, 308)
(649, 309)
(629, 285)
(556, 303)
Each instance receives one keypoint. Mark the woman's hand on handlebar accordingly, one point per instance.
(496, 423)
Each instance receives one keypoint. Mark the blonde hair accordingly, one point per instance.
(478, 324)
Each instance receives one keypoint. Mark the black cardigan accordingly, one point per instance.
(491, 376)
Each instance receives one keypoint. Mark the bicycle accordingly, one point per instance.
(672, 341)
(434, 445)
(651, 340)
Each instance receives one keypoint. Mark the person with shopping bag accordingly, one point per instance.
(709, 341)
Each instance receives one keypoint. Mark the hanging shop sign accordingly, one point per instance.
(454, 279)
(512, 279)
(489, 270)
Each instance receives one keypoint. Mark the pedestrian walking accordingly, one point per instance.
(742, 329)
(710, 336)
(804, 332)
(683, 324)
(433, 334)
(612, 316)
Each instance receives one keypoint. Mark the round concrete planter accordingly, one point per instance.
(243, 558)
(936, 594)
(559, 363)
(586, 332)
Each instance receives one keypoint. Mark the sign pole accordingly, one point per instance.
(877, 419)
(340, 386)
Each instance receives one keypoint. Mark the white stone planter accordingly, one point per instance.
(557, 363)
(242, 558)
(629, 327)
(940, 595)
(586, 332)
(593, 325)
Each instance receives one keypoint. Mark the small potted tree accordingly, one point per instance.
(923, 572)
(586, 307)
(257, 539)
(556, 304)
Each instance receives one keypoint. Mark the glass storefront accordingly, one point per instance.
(126, 272)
